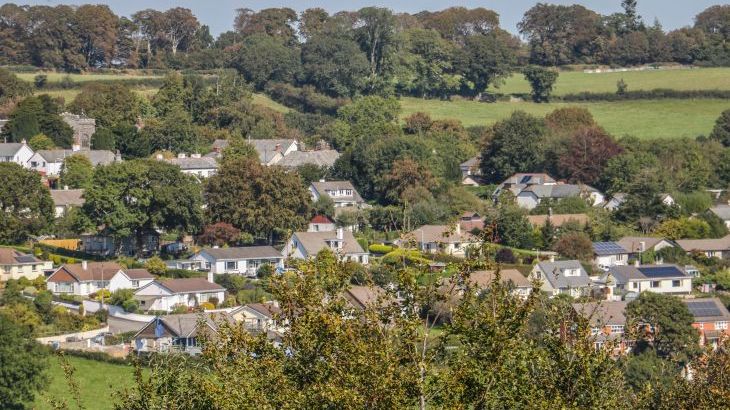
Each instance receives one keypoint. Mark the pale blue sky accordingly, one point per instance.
(218, 14)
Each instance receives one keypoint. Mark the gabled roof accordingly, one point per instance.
(722, 212)
(441, 234)
(137, 274)
(471, 162)
(623, 273)
(558, 191)
(189, 163)
(320, 219)
(243, 252)
(95, 271)
(529, 178)
(267, 309)
(67, 197)
(604, 313)
(10, 256)
(182, 325)
(189, 285)
(96, 157)
(9, 149)
(484, 278)
(321, 187)
(321, 158)
(554, 274)
(633, 243)
(362, 297)
(707, 310)
(313, 242)
(720, 244)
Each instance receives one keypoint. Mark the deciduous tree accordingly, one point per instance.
(26, 207)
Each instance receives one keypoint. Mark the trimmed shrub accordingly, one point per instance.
(381, 249)
(505, 255)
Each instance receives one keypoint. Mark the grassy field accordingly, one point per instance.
(642, 119)
(577, 81)
(265, 101)
(80, 78)
(97, 383)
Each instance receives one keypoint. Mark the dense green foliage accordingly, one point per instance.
(26, 208)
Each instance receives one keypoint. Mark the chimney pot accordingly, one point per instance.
(84, 265)
(159, 156)
(210, 277)
(340, 233)
(552, 258)
(636, 263)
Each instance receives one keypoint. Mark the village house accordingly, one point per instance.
(447, 239)
(619, 198)
(608, 323)
(16, 265)
(325, 158)
(711, 319)
(667, 279)
(533, 195)
(711, 248)
(321, 223)
(105, 245)
(471, 173)
(239, 260)
(184, 264)
(200, 167)
(514, 279)
(17, 152)
(722, 212)
(561, 277)
(166, 295)
(342, 193)
(258, 317)
(270, 151)
(180, 333)
(517, 182)
(305, 245)
(471, 222)
(85, 278)
(50, 162)
(636, 245)
(363, 297)
(607, 254)
(558, 220)
(65, 199)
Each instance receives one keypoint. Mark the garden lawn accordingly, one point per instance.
(570, 82)
(97, 383)
(641, 118)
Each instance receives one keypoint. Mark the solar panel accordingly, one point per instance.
(703, 309)
(25, 259)
(525, 179)
(661, 272)
(608, 248)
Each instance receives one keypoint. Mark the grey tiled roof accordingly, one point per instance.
(96, 157)
(313, 242)
(244, 252)
(322, 158)
(622, 274)
(194, 163)
(553, 272)
(67, 197)
(322, 186)
(8, 149)
(722, 212)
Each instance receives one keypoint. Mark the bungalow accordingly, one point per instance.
(165, 295)
(342, 193)
(184, 264)
(619, 198)
(239, 261)
(200, 167)
(448, 239)
(561, 277)
(607, 254)
(667, 279)
(520, 285)
(712, 248)
(305, 245)
(531, 196)
(636, 245)
(711, 319)
(17, 152)
(85, 278)
(321, 223)
(16, 265)
(50, 162)
(177, 333)
(270, 151)
(517, 182)
(65, 199)
(722, 212)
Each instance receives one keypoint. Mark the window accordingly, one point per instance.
(231, 265)
(595, 331)
(635, 285)
(676, 283)
(721, 325)
(618, 329)
(135, 283)
(203, 297)
(656, 283)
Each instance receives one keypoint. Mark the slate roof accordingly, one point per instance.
(244, 252)
(96, 157)
(441, 234)
(189, 285)
(529, 178)
(323, 186)
(605, 313)
(558, 191)
(707, 309)
(471, 162)
(137, 274)
(322, 158)
(623, 273)
(313, 242)
(9, 149)
(633, 243)
(722, 212)
(553, 273)
(10, 256)
(720, 244)
(67, 197)
(182, 325)
(194, 163)
(608, 248)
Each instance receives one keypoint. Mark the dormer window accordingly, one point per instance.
(571, 272)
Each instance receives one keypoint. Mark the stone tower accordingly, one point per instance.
(83, 126)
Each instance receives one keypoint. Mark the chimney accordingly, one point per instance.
(458, 229)
(84, 265)
(23, 141)
(552, 257)
(75, 147)
(277, 148)
(194, 155)
(181, 155)
(159, 157)
(210, 277)
(636, 263)
(340, 233)
(322, 180)
(550, 211)
(65, 187)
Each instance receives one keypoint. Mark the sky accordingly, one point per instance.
(218, 14)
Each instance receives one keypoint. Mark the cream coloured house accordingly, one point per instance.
(16, 265)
